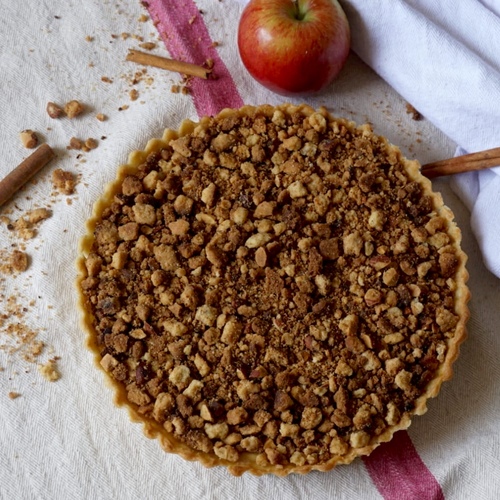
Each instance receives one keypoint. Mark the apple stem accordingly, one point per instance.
(300, 13)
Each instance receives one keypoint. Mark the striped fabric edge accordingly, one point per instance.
(399, 473)
(186, 37)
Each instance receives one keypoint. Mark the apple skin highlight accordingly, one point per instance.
(294, 46)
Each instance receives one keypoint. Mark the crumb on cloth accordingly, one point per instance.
(63, 181)
(50, 371)
(29, 138)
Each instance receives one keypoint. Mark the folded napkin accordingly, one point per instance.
(443, 58)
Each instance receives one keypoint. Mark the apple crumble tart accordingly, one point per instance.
(273, 289)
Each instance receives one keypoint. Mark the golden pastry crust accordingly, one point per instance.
(272, 289)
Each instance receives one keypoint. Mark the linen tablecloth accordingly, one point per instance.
(65, 439)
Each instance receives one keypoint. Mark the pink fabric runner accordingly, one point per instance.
(399, 473)
(186, 37)
(395, 467)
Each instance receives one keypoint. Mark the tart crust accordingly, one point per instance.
(342, 359)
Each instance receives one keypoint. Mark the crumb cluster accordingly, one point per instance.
(71, 109)
(49, 371)
(25, 227)
(19, 339)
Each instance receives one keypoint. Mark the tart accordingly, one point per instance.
(272, 289)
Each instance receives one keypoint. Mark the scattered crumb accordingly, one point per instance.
(81, 145)
(74, 108)
(123, 108)
(24, 227)
(13, 395)
(106, 79)
(35, 349)
(415, 114)
(140, 76)
(13, 262)
(91, 143)
(143, 18)
(63, 181)
(27, 233)
(54, 111)
(74, 143)
(175, 89)
(134, 94)
(89, 38)
(101, 117)
(148, 45)
(38, 214)
(16, 337)
(49, 371)
(29, 138)
(19, 261)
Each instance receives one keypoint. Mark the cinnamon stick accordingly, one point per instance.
(465, 163)
(24, 172)
(168, 64)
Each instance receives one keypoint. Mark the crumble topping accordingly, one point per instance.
(274, 285)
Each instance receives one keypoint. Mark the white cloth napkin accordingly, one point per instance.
(444, 58)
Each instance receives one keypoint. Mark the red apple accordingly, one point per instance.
(294, 46)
